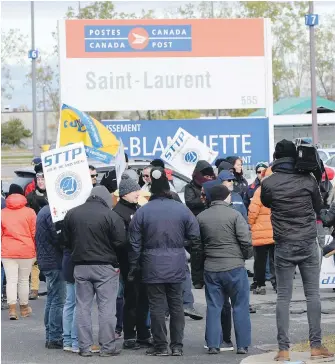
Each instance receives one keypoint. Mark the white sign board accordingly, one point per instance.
(108, 65)
(67, 178)
(327, 274)
(120, 163)
(184, 151)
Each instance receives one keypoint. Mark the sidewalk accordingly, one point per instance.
(296, 358)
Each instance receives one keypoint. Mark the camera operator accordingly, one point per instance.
(294, 199)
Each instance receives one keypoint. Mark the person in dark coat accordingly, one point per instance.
(49, 259)
(328, 219)
(202, 173)
(38, 198)
(261, 166)
(157, 233)
(240, 184)
(294, 199)
(227, 179)
(136, 304)
(224, 247)
(93, 232)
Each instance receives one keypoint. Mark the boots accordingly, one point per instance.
(282, 355)
(25, 310)
(321, 353)
(12, 312)
(33, 295)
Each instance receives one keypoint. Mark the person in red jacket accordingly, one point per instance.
(18, 224)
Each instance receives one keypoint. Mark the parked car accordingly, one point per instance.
(23, 177)
(325, 154)
(330, 163)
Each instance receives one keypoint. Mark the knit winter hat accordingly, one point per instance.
(15, 189)
(128, 185)
(38, 168)
(219, 193)
(225, 176)
(225, 166)
(261, 165)
(158, 163)
(159, 181)
(102, 192)
(285, 149)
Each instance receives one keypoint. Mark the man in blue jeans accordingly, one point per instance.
(49, 259)
(225, 245)
(295, 200)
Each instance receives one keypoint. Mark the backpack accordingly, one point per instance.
(309, 161)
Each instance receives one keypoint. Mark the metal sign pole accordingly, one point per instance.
(313, 78)
(33, 79)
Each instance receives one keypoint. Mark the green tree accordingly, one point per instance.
(13, 131)
(325, 57)
(13, 49)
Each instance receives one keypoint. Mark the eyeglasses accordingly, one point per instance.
(94, 175)
(39, 175)
(230, 180)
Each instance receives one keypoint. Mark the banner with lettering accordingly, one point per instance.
(184, 151)
(76, 126)
(67, 178)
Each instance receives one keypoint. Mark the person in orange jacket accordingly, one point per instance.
(259, 219)
(18, 252)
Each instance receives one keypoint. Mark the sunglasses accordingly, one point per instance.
(230, 180)
(94, 175)
(259, 172)
(39, 175)
(146, 176)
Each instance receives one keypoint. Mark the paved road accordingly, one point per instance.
(23, 340)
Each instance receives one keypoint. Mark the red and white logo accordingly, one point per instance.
(138, 38)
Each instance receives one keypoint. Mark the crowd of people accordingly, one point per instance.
(129, 246)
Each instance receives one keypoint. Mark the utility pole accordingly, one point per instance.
(33, 79)
(313, 76)
(45, 123)
(212, 15)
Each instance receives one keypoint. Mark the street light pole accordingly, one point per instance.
(313, 78)
(33, 79)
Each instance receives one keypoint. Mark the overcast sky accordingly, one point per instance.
(16, 14)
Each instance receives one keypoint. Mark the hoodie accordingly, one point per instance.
(193, 189)
(18, 224)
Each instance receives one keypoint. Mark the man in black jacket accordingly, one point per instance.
(294, 199)
(136, 305)
(157, 234)
(93, 232)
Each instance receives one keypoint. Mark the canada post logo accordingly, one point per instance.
(146, 38)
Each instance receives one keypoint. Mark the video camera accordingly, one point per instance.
(308, 159)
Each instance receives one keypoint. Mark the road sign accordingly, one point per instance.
(312, 19)
(33, 54)
(170, 64)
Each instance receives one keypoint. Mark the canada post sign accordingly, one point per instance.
(146, 38)
(147, 139)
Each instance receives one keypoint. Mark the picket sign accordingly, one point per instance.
(327, 274)
(120, 162)
(67, 178)
(185, 150)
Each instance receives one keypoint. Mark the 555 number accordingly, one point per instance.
(249, 100)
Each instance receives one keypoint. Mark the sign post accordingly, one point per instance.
(120, 163)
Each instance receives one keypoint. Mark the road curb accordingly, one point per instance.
(296, 358)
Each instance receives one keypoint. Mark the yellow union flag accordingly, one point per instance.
(76, 126)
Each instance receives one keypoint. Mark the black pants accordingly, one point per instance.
(226, 320)
(158, 294)
(261, 256)
(135, 311)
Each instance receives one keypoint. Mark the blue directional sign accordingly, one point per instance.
(312, 19)
(33, 54)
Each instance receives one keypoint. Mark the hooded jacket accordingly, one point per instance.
(93, 231)
(49, 254)
(157, 234)
(18, 224)
(193, 189)
(294, 199)
(259, 219)
(37, 200)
